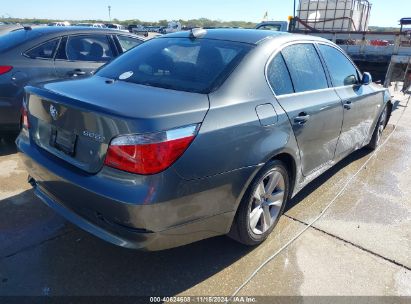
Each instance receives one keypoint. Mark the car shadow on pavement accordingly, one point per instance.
(26, 222)
(7, 148)
(40, 248)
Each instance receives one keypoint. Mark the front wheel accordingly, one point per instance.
(263, 204)
(379, 129)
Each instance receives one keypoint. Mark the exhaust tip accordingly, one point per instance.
(31, 181)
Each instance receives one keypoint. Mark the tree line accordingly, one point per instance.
(202, 22)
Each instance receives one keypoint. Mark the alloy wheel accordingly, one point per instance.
(267, 200)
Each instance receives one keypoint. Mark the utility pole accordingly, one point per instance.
(109, 12)
(295, 4)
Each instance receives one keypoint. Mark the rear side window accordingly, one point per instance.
(306, 70)
(183, 64)
(43, 51)
(279, 77)
(343, 72)
(94, 48)
(128, 43)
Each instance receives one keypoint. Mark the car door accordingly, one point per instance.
(32, 64)
(300, 84)
(361, 102)
(39, 66)
(81, 55)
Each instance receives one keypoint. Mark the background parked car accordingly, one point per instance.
(7, 28)
(64, 23)
(116, 27)
(98, 25)
(139, 30)
(30, 56)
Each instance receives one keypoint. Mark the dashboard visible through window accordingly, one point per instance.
(343, 72)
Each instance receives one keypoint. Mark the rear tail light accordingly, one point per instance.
(149, 153)
(25, 123)
(5, 69)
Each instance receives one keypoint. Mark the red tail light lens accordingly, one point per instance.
(149, 153)
(25, 117)
(5, 69)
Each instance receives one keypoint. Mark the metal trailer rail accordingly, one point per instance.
(360, 43)
(387, 55)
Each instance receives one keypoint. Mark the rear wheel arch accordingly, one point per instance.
(242, 229)
(291, 167)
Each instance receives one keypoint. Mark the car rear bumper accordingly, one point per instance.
(135, 213)
(9, 116)
(134, 239)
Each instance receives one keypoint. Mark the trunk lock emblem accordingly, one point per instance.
(53, 112)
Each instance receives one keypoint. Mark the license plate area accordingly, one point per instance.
(63, 141)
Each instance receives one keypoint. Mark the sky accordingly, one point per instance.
(384, 12)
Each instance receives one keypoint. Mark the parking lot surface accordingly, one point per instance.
(347, 233)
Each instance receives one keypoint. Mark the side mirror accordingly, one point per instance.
(350, 80)
(366, 78)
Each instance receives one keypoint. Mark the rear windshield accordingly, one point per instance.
(16, 38)
(183, 64)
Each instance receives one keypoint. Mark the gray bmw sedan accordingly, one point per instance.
(197, 134)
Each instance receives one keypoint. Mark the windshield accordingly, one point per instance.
(193, 65)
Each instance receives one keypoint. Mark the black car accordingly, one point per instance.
(31, 56)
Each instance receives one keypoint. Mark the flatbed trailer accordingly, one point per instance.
(387, 55)
(384, 54)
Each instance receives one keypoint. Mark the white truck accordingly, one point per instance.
(172, 27)
(279, 26)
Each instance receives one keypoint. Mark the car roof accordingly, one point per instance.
(250, 36)
(52, 30)
(29, 37)
(5, 28)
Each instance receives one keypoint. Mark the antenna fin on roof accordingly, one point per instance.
(198, 33)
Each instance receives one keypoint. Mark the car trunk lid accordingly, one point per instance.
(76, 120)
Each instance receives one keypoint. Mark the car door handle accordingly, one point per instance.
(347, 105)
(302, 118)
(76, 73)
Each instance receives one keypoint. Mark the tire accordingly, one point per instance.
(9, 138)
(258, 214)
(379, 128)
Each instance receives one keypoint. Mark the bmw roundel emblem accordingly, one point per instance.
(53, 112)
